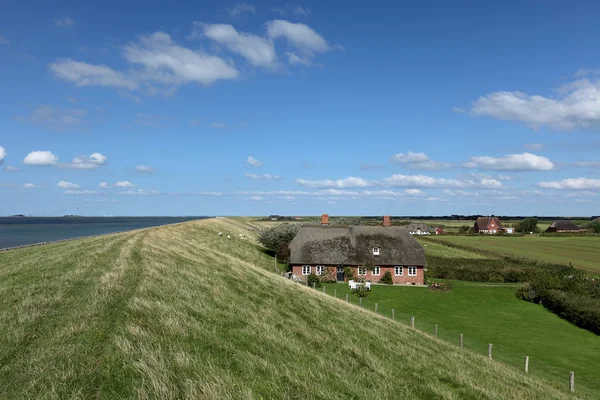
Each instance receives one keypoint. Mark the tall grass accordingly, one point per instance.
(178, 312)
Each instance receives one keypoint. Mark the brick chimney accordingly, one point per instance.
(387, 221)
(324, 219)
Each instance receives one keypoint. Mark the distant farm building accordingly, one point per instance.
(508, 229)
(563, 226)
(370, 252)
(489, 225)
(439, 230)
(418, 229)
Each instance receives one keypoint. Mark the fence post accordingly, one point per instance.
(572, 382)
(461, 341)
(323, 289)
(360, 301)
(435, 331)
(412, 322)
(526, 364)
(335, 293)
(393, 314)
(314, 285)
(490, 351)
(375, 307)
(346, 297)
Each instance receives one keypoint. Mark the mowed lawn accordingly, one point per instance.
(490, 313)
(582, 252)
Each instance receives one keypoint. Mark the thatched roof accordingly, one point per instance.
(353, 245)
(564, 225)
(417, 226)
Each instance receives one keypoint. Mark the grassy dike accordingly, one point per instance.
(177, 312)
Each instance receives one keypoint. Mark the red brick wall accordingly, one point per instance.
(419, 279)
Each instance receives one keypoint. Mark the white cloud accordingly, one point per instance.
(218, 125)
(80, 192)
(11, 168)
(267, 177)
(59, 119)
(582, 72)
(256, 198)
(67, 185)
(159, 66)
(92, 161)
(424, 181)
(124, 184)
(587, 164)
(241, 8)
(104, 185)
(583, 193)
(253, 162)
(572, 184)
(511, 162)
(301, 37)
(420, 161)
(534, 146)
(84, 74)
(259, 51)
(64, 22)
(2, 154)
(40, 158)
(298, 10)
(139, 192)
(29, 186)
(577, 107)
(350, 182)
(144, 169)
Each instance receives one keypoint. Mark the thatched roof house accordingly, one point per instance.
(417, 228)
(353, 246)
(563, 226)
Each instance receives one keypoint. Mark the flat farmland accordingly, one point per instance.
(582, 252)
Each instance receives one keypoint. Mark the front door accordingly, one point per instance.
(340, 274)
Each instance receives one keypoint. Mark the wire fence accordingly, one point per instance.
(410, 319)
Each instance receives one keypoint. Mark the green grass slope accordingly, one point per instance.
(582, 252)
(176, 312)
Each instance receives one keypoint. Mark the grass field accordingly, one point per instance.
(582, 252)
(490, 313)
(177, 312)
(433, 249)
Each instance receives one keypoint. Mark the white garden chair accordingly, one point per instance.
(353, 285)
(368, 285)
(350, 283)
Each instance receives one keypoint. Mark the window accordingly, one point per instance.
(375, 251)
(362, 271)
(306, 270)
(376, 270)
(320, 269)
(398, 271)
(412, 271)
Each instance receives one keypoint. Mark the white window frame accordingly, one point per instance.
(376, 251)
(320, 270)
(376, 270)
(363, 270)
(306, 269)
(412, 271)
(398, 267)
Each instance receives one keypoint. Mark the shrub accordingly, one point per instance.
(387, 278)
(349, 273)
(441, 287)
(278, 238)
(360, 291)
(313, 280)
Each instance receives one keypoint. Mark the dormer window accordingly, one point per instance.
(375, 251)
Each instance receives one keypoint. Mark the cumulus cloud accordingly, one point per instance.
(241, 8)
(420, 161)
(258, 51)
(10, 168)
(139, 192)
(67, 185)
(58, 119)
(92, 161)
(267, 177)
(64, 22)
(2, 154)
(572, 184)
(104, 185)
(144, 169)
(350, 182)
(124, 184)
(159, 65)
(423, 181)
(40, 158)
(29, 186)
(253, 162)
(302, 38)
(577, 107)
(534, 146)
(511, 162)
(80, 192)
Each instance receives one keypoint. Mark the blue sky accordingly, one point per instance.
(252, 108)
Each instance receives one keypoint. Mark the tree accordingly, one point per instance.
(463, 230)
(595, 227)
(528, 225)
(278, 238)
